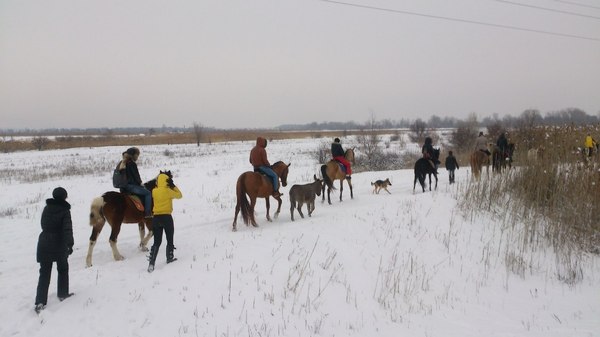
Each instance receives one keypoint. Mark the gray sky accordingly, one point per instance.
(255, 63)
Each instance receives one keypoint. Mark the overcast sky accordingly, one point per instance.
(262, 63)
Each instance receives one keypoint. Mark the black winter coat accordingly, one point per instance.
(337, 150)
(451, 163)
(56, 237)
(133, 175)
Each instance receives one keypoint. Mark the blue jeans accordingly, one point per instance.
(144, 194)
(271, 174)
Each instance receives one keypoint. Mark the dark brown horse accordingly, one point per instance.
(118, 208)
(256, 185)
(332, 172)
(501, 160)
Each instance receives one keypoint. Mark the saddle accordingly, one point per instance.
(342, 167)
(136, 201)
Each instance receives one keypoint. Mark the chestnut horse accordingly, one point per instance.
(478, 160)
(256, 185)
(332, 172)
(118, 208)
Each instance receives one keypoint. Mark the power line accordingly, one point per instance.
(481, 23)
(548, 9)
(577, 4)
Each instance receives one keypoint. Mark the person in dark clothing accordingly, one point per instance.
(338, 153)
(134, 181)
(451, 165)
(55, 244)
(427, 151)
(502, 143)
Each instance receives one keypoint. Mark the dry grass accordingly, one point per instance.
(212, 136)
(555, 198)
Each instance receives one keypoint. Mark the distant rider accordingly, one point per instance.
(338, 153)
(258, 159)
(481, 144)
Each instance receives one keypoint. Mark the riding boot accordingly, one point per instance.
(170, 256)
(152, 258)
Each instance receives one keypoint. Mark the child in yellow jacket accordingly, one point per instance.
(163, 195)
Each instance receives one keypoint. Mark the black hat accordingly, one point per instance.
(336, 140)
(59, 193)
(481, 133)
(133, 151)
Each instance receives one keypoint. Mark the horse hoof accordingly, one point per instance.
(119, 258)
(144, 248)
(256, 225)
(234, 229)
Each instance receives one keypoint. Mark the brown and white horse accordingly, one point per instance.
(118, 208)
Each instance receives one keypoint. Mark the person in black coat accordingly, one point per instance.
(451, 165)
(55, 244)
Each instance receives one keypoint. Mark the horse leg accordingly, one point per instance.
(143, 237)
(351, 193)
(429, 181)
(237, 211)
(436, 181)
(252, 215)
(323, 193)
(341, 188)
(95, 232)
(278, 206)
(268, 203)
(113, 241)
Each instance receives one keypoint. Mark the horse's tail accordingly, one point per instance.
(96, 214)
(242, 201)
(326, 178)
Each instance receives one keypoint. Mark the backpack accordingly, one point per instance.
(119, 177)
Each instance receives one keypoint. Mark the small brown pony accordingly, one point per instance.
(478, 160)
(332, 171)
(256, 185)
(118, 208)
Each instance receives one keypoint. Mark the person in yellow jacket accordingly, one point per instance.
(163, 195)
(590, 144)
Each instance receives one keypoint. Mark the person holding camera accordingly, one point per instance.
(55, 244)
(163, 195)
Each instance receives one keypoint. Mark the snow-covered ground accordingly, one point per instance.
(400, 264)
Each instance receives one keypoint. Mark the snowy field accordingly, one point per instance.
(399, 264)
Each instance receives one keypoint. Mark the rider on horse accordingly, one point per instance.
(338, 154)
(134, 181)
(258, 159)
(502, 144)
(481, 144)
(427, 151)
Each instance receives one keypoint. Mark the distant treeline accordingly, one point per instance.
(569, 116)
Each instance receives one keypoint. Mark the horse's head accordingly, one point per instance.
(436, 154)
(349, 155)
(282, 170)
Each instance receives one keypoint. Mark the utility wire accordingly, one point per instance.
(547, 9)
(577, 4)
(481, 23)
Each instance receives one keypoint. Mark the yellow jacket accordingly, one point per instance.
(589, 141)
(163, 196)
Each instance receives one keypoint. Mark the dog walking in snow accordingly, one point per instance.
(381, 184)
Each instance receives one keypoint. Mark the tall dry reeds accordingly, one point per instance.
(550, 201)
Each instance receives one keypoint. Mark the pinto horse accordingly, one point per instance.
(118, 208)
(423, 167)
(333, 171)
(256, 185)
